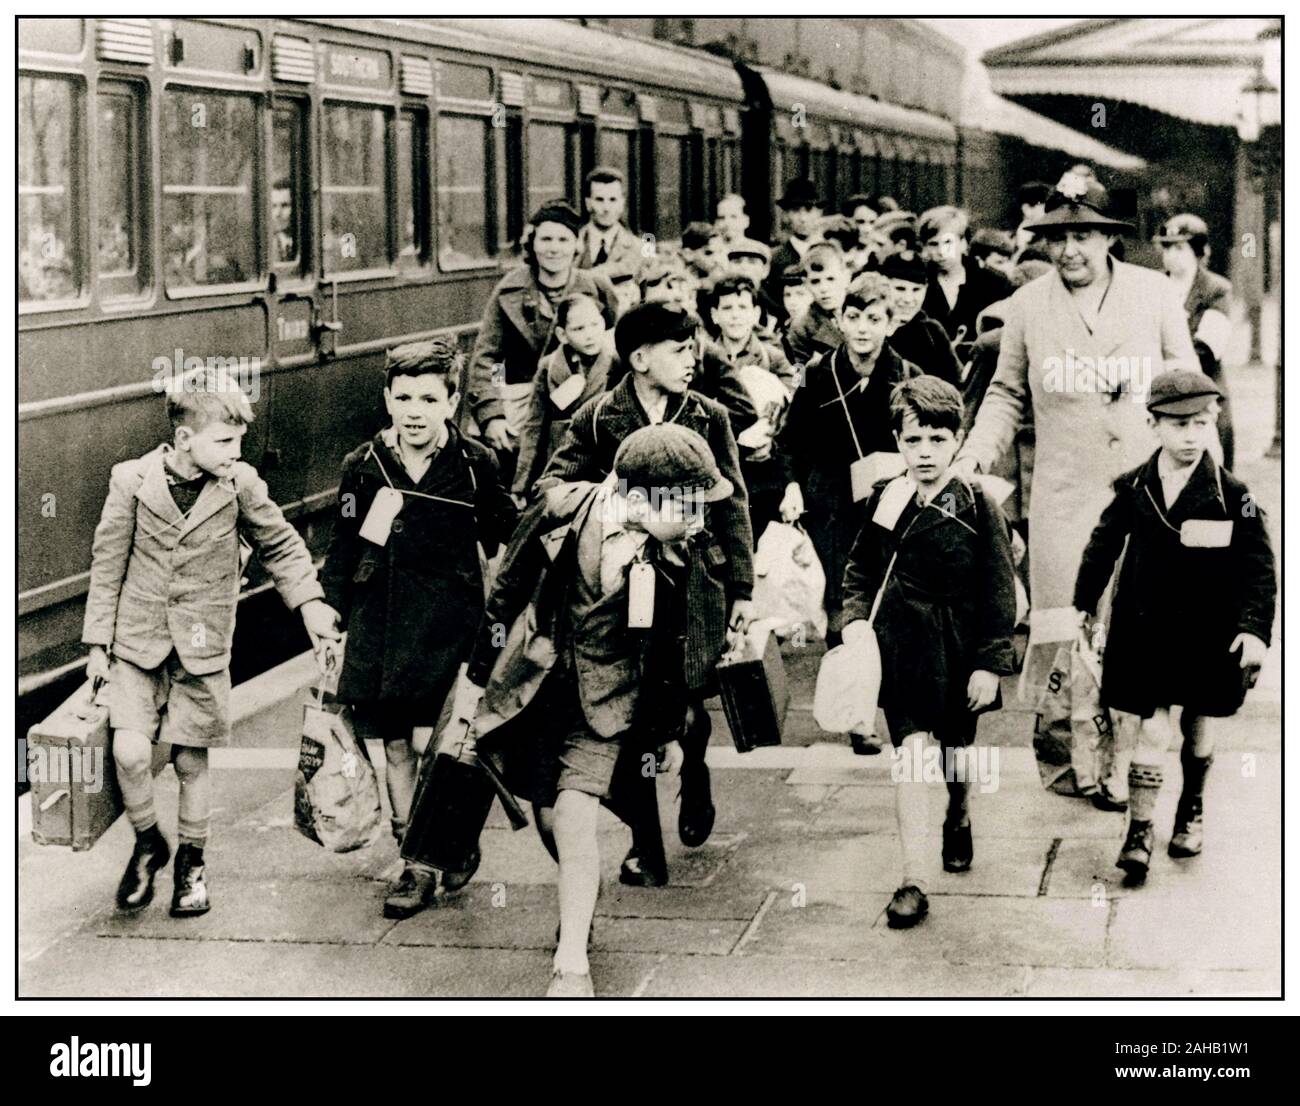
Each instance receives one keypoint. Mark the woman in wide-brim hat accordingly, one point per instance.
(1080, 345)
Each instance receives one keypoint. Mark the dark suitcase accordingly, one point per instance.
(452, 800)
(75, 796)
(755, 696)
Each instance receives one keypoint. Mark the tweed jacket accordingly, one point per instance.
(722, 560)
(160, 580)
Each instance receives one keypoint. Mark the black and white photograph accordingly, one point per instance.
(519, 507)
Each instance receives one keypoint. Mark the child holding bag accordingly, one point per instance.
(403, 571)
(932, 572)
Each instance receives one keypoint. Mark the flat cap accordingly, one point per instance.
(669, 456)
(1181, 392)
(749, 247)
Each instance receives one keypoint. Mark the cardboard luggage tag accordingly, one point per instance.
(893, 500)
(1206, 533)
(866, 471)
(563, 395)
(378, 522)
(641, 596)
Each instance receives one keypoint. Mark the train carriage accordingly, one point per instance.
(292, 197)
(289, 198)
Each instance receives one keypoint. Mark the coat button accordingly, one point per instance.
(397, 526)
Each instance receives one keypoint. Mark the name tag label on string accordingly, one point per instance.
(378, 523)
(563, 395)
(866, 471)
(641, 596)
(893, 501)
(1206, 533)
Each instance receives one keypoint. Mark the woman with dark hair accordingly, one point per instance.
(1184, 243)
(519, 324)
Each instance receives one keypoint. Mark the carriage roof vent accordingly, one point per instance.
(292, 60)
(124, 40)
(417, 76)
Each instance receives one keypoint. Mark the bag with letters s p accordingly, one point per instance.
(336, 792)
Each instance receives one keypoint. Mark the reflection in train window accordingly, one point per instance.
(730, 167)
(462, 191)
(354, 204)
(669, 152)
(117, 187)
(209, 148)
(412, 234)
(49, 267)
(287, 185)
(548, 177)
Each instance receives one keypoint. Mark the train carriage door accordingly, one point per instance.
(617, 147)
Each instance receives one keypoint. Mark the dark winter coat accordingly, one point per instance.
(925, 343)
(982, 288)
(949, 606)
(411, 606)
(1177, 609)
(820, 448)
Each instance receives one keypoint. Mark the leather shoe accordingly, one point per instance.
(1189, 831)
(454, 881)
(1135, 856)
(865, 745)
(958, 848)
(1104, 799)
(190, 892)
(908, 906)
(413, 891)
(696, 814)
(151, 853)
(637, 872)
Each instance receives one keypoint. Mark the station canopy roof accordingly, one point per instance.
(1192, 69)
(787, 91)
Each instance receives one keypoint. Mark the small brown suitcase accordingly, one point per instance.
(75, 796)
(754, 692)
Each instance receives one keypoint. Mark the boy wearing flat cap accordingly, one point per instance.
(1193, 608)
(658, 344)
(594, 588)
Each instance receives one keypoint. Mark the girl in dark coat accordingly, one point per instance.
(937, 552)
(403, 570)
(1193, 608)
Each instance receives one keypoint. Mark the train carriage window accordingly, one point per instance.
(49, 262)
(209, 148)
(462, 191)
(354, 200)
(117, 189)
(412, 230)
(288, 141)
(670, 151)
(548, 173)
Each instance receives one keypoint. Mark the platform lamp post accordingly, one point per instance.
(1258, 127)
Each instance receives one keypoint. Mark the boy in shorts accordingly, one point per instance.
(594, 590)
(938, 552)
(160, 615)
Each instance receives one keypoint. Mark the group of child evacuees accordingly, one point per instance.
(628, 452)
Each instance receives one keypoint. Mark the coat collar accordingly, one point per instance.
(1113, 318)
(622, 413)
(1203, 489)
(951, 507)
(155, 494)
(559, 368)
